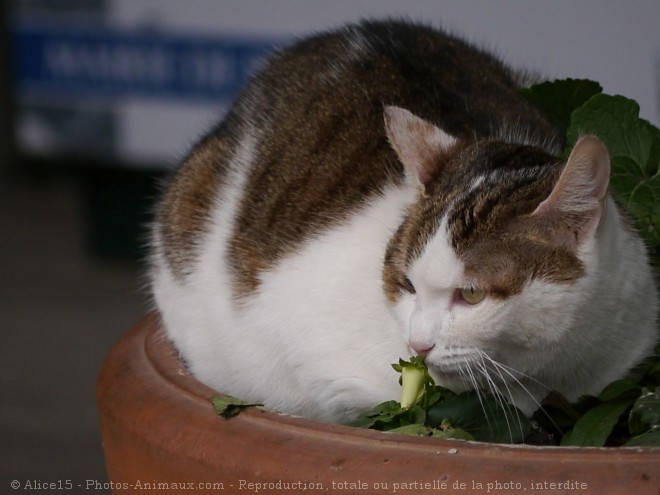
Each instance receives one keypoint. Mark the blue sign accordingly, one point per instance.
(74, 60)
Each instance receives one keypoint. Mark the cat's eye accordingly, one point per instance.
(472, 295)
(407, 285)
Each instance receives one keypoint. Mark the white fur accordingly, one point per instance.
(316, 340)
(575, 339)
(318, 337)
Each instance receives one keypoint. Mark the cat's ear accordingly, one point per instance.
(578, 201)
(418, 144)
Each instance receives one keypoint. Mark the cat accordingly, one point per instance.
(381, 191)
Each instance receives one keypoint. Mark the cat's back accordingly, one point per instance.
(304, 147)
(286, 237)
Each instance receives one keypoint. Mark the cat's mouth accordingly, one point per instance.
(453, 366)
(452, 359)
(466, 368)
(452, 379)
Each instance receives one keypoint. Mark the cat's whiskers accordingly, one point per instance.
(494, 390)
(506, 404)
(484, 365)
(499, 367)
(477, 374)
(463, 376)
(513, 370)
(477, 389)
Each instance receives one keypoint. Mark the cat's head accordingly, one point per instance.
(491, 258)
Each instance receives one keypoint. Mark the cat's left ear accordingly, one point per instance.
(419, 144)
(578, 202)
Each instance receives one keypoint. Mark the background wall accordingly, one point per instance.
(613, 42)
(65, 299)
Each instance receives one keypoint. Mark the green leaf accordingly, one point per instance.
(414, 429)
(558, 99)
(646, 368)
(389, 415)
(384, 412)
(645, 414)
(596, 425)
(620, 389)
(639, 194)
(566, 439)
(228, 406)
(557, 413)
(634, 147)
(653, 373)
(615, 120)
(648, 439)
(482, 416)
(452, 433)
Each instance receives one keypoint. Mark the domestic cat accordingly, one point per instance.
(381, 191)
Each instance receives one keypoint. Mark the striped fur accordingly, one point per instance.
(322, 151)
(362, 183)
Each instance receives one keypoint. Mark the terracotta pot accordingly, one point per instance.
(160, 431)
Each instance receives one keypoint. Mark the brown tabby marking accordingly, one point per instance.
(184, 216)
(322, 152)
(490, 227)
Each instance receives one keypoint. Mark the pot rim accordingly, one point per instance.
(158, 423)
(164, 359)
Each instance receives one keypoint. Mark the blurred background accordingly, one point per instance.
(100, 98)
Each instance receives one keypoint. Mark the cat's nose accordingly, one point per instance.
(422, 349)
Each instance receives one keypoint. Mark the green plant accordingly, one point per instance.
(579, 107)
(627, 412)
(428, 410)
(228, 406)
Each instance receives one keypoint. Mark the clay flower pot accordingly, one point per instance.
(160, 432)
